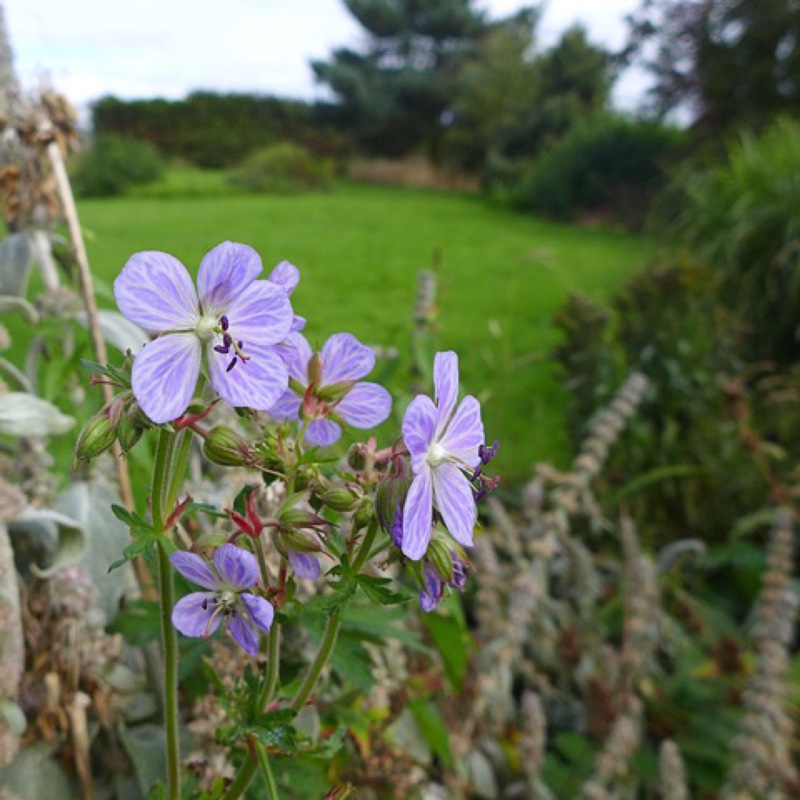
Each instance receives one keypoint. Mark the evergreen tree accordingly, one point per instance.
(393, 94)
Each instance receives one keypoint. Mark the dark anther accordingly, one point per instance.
(223, 321)
(476, 474)
(222, 349)
(227, 339)
(240, 345)
(204, 604)
(231, 365)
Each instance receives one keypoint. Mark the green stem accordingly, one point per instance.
(364, 550)
(323, 654)
(178, 469)
(273, 664)
(160, 477)
(170, 638)
(241, 781)
(266, 771)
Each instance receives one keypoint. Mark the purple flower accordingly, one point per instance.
(443, 442)
(200, 613)
(328, 384)
(232, 319)
(433, 590)
(305, 565)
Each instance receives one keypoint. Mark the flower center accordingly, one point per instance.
(228, 343)
(207, 328)
(436, 455)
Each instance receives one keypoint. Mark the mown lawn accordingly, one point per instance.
(359, 248)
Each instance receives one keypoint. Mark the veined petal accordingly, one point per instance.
(237, 567)
(195, 569)
(154, 290)
(298, 324)
(305, 565)
(296, 353)
(365, 405)
(260, 610)
(344, 358)
(288, 407)
(257, 383)
(260, 314)
(464, 435)
(193, 613)
(225, 272)
(323, 432)
(418, 516)
(419, 427)
(164, 375)
(445, 383)
(286, 275)
(242, 629)
(455, 501)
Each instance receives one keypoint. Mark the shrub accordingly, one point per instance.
(114, 164)
(283, 168)
(609, 164)
(743, 218)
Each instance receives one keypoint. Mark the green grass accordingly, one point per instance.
(359, 248)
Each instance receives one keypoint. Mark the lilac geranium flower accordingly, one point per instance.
(305, 565)
(433, 590)
(327, 386)
(234, 570)
(232, 319)
(444, 443)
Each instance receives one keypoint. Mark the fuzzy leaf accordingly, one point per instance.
(23, 414)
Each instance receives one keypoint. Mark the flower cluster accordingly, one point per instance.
(239, 334)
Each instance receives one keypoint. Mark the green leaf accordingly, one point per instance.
(433, 729)
(453, 643)
(275, 730)
(376, 589)
(139, 622)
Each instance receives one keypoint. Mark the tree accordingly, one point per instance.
(726, 61)
(393, 95)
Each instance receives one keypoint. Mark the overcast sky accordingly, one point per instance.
(166, 48)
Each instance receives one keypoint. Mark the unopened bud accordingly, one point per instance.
(225, 447)
(315, 370)
(129, 429)
(441, 557)
(363, 514)
(297, 517)
(391, 495)
(338, 498)
(96, 437)
(356, 458)
(302, 541)
(335, 391)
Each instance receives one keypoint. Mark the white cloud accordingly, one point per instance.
(169, 47)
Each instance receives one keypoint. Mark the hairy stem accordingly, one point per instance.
(266, 771)
(170, 640)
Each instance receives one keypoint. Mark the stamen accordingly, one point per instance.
(223, 321)
(222, 349)
(231, 365)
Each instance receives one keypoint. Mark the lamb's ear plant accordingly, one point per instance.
(234, 342)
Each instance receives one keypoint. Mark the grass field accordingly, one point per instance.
(359, 248)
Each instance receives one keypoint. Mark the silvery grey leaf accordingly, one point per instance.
(23, 414)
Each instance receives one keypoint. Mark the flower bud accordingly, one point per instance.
(315, 370)
(297, 517)
(363, 514)
(441, 557)
(129, 429)
(356, 458)
(391, 494)
(302, 541)
(225, 447)
(335, 392)
(338, 498)
(96, 437)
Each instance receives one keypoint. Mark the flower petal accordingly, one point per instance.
(445, 384)
(419, 427)
(286, 275)
(260, 314)
(195, 569)
(365, 405)
(296, 353)
(237, 567)
(344, 358)
(154, 290)
(288, 407)
(433, 590)
(418, 516)
(260, 610)
(455, 501)
(464, 434)
(298, 323)
(225, 272)
(193, 613)
(258, 383)
(304, 564)
(323, 432)
(165, 374)
(241, 628)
